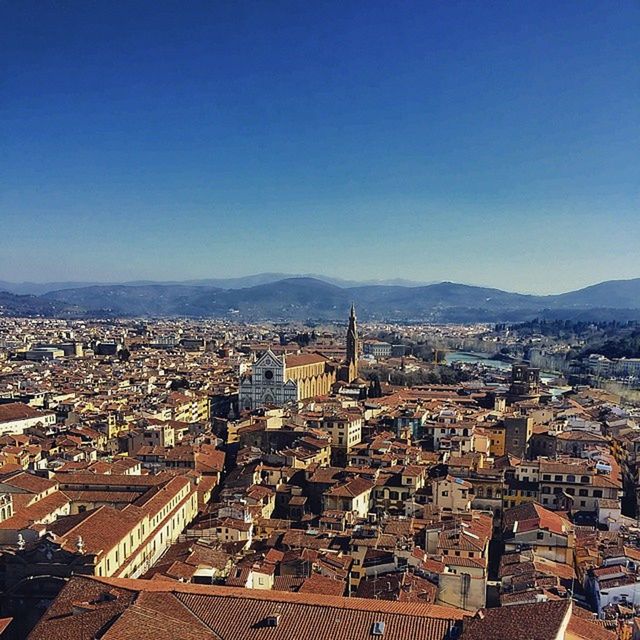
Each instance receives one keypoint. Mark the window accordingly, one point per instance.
(558, 478)
(540, 535)
(584, 479)
(597, 493)
(571, 478)
(583, 492)
(546, 476)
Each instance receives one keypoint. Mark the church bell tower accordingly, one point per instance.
(352, 345)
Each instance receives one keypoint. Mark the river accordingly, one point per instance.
(469, 357)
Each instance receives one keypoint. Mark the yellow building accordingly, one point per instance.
(189, 407)
(106, 541)
(497, 440)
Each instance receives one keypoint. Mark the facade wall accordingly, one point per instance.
(20, 426)
(273, 383)
(150, 538)
(462, 590)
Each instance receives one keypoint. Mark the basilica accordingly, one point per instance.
(277, 380)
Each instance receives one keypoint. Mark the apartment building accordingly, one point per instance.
(16, 417)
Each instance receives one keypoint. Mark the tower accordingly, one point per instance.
(352, 345)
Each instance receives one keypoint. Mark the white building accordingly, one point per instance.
(377, 348)
(16, 417)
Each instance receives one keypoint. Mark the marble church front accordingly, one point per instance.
(278, 380)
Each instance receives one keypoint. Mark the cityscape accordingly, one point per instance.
(454, 468)
(319, 321)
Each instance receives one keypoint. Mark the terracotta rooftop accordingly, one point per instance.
(542, 621)
(30, 483)
(19, 411)
(123, 609)
(304, 359)
(531, 516)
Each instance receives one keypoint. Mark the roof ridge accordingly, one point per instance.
(358, 604)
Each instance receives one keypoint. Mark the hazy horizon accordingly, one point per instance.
(406, 282)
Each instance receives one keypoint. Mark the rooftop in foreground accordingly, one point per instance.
(119, 609)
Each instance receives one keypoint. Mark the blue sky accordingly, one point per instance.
(483, 142)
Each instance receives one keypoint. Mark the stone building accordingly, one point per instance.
(278, 380)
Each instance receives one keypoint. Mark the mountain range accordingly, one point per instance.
(268, 297)
(241, 282)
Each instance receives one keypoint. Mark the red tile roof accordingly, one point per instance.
(531, 516)
(165, 610)
(541, 621)
(18, 411)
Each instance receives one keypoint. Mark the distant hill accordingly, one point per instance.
(38, 288)
(27, 306)
(307, 298)
(616, 294)
(139, 300)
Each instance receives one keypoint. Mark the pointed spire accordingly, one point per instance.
(352, 345)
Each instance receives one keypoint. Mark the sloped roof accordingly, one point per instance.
(163, 610)
(540, 621)
(530, 516)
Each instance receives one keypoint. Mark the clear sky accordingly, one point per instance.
(483, 142)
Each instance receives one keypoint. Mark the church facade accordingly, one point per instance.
(279, 380)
